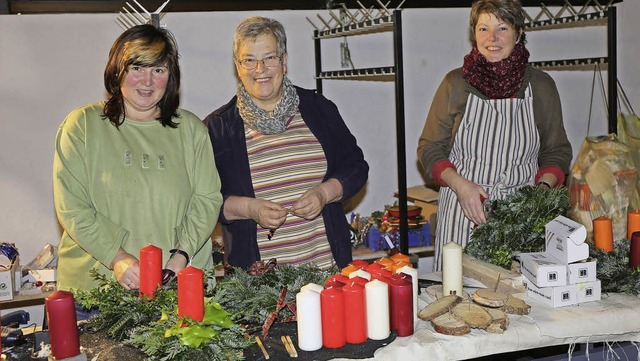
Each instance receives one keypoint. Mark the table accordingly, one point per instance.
(613, 319)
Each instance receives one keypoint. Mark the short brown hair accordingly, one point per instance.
(509, 11)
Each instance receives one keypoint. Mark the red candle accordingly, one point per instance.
(401, 307)
(603, 234)
(373, 267)
(333, 284)
(150, 270)
(339, 278)
(359, 263)
(355, 307)
(191, 293)
(359, 280)
(333, 317)
(633, 222)
(63, 328)
(634, 252)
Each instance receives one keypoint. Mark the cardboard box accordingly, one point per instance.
(427, 199)
(580, 272)
(558, 296)
(8, 281)
(589, 291)
(565, 240)
(543, 270)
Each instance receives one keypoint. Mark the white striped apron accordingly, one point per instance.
(496, 147)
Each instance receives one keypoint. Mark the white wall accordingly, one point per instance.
(50, 64)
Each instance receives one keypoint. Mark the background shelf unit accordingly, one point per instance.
(394, 74)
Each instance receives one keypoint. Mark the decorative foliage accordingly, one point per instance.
(613, 269)
(516, 224)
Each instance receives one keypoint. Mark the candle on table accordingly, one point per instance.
(63, 328)
(377, 301)
(191, 293)
(333, 317)
(333, 284)
(396, 266)
(603, 234)
(373, 267)
(313, 287)
(150, 270)
(634, 252)
(359, 263)
(401, 257)
(401, 314)
(633, 222)
(359, 280)
(309, 320)
(385, 261)
(361, 273)
(413, 273)
(338, 277)
(349, 269)
(452, 269)
(355, 306)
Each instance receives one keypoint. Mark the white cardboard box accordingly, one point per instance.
(8, 280)
(580, 272)
(558, 296)
(565, 240)
(543, 270)
(589, 291)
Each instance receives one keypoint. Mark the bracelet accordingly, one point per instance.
(546, 184)
(181, 252)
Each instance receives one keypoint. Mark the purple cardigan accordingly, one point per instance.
(345, 162)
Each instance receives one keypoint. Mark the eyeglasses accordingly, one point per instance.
(269, 62)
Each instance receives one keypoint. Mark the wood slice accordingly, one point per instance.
(500, 320)
(516, 306)
(439, 307)
(449, 325)
(435, 292)
(490, 298)
(473, 315)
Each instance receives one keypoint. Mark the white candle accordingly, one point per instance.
(312, 287)
(309, 320)
(414, 280)
(452, 269)
(361, 273)
(377, 299)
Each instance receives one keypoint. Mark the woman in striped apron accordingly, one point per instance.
(494, 125)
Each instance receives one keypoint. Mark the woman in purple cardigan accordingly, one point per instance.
(286, 160)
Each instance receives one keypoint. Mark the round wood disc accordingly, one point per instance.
(489, 298)
(439, 307)
(500, 320)
(472, 314)
(516, 306)
(449, 325)
(435, 292)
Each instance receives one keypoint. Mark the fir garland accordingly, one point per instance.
(613, 271)
(517, 224)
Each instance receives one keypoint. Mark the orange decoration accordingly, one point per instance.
(603, 234)
(633, 222)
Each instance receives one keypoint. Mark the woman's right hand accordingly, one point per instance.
(267, 214)
(470, 196)
(126, 268)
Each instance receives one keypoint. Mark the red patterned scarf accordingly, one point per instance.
(498, 80)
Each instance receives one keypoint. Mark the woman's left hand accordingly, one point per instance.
(311, 203)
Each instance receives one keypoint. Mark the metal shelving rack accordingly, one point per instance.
(604, 15)
(385, 21)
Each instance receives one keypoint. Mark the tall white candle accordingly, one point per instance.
(377, 299)
(313, 287)
(452, 269)
(414, 280)
(309, 320)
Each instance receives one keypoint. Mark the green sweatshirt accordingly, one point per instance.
(130, 187)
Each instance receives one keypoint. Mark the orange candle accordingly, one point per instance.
(603, 234)
(349, 269)
(401, 257)
(633, 222)
(385, 261)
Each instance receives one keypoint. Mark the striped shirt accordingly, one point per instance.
(283, 167)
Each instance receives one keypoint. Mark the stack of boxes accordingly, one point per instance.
(562, 275)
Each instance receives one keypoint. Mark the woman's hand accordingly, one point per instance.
(267, 214)
(126, 268)
(311, 203)
(470, 196)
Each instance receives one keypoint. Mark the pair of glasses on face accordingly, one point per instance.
(250, 64)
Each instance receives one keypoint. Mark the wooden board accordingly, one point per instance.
(509, 282)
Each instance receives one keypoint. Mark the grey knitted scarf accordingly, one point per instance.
(268, 122)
